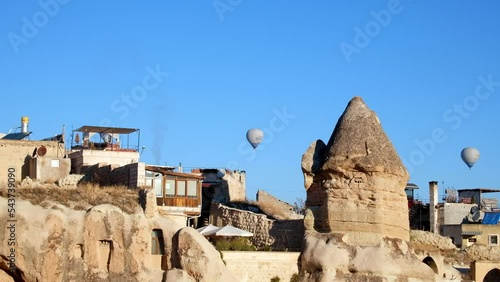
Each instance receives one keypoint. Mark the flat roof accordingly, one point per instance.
(103, 129)
(482, 190)
(168, 171)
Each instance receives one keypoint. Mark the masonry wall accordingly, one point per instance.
(479, 269)
(261, 266)
(454, 213)
(49, 170)
(279, 234)
(483, 238)
(16, 154)
(236, 182)
(130, 175)
(82, 158)
(454, 232)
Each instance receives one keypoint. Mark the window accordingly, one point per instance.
(493, 240)
(192, 189)
(157, 245)
(170, 188)
(158, 187)
(181, 188)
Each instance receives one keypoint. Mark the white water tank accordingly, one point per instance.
(24, 124)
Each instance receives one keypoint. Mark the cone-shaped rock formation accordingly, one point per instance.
(356, 210)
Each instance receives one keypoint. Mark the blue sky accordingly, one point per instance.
(194, 76)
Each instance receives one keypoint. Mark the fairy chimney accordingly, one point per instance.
(355, 183)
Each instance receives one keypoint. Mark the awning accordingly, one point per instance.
(207, 229)
(471, 233)
(226, 231)
(102, 129)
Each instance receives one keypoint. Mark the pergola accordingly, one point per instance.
(101, 131)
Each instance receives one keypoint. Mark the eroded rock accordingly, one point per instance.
(200, 259)
(57, 243)
(356, 220)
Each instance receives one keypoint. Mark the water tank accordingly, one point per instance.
(24, 124)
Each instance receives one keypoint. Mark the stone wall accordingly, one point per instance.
(479, 270)
(261, 266)
(483, 237)
(236, 182)
(131, 175)
(454, 213)
(228, 185)
(279, 234)
(49, 170)
(454, 232)
(82, 158)
(137, 174)
(16, 154)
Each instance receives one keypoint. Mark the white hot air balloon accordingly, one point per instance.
(470, 156)
(254, 137)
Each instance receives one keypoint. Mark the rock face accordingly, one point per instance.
(356, 218)
(356, 182)
(57, 243)
(199, 260)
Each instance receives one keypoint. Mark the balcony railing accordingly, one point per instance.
(179, 202)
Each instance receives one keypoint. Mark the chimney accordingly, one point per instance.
(433, 210)
(24, 124)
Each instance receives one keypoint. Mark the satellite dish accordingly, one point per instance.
(254, 137)
(41, 151)
(470, 156)
(475, 215)
(474, 209)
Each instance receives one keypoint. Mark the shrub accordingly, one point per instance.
(295, 278)
(222, 245)
(275, 279)
(237, 244)
(266, 248)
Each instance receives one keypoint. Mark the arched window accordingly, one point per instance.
(492, 276)
(431, 263)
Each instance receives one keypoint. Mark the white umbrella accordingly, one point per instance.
(209, 229)
(230, 231)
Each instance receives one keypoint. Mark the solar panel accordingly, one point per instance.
(491, 218)
(16, 136)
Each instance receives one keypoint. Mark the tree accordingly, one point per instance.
(299, 206)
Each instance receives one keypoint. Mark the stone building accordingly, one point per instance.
(100, 144)
(44, 160)
(25, 159)
(178, 195)
(219, 186)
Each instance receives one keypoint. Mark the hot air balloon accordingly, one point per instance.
(470, 156)
(254, 137)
